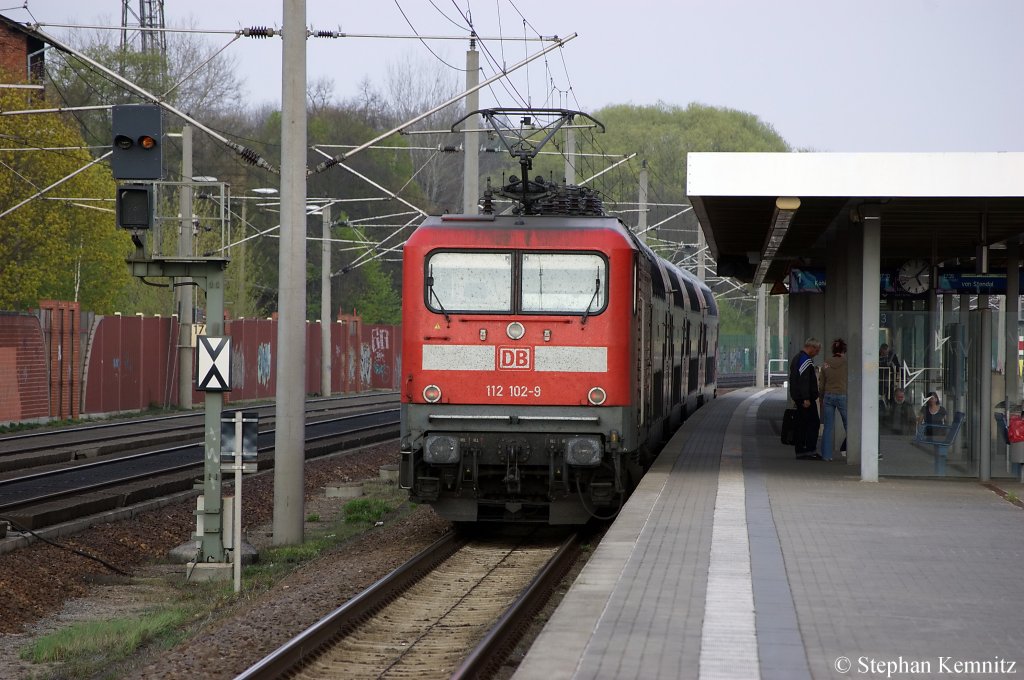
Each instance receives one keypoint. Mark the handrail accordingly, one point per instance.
(783, 374)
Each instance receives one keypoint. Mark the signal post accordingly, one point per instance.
(137, 157)
(208, 274)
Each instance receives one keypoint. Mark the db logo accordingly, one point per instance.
(514, 358)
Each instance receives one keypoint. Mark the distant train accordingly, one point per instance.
(547, 357)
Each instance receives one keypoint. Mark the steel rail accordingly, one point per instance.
(342, 620)
(482, 661)
(494, 648)
(313, 406)
(168, 469)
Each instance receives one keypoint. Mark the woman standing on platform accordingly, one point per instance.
(832, 385)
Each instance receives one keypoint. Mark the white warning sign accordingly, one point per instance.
(213, 364)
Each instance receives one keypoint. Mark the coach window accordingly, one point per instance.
(469, 282)
(566, 283)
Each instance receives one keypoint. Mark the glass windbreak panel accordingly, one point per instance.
(942, 353)
(469, 282)
(567, 283)
(909, 369)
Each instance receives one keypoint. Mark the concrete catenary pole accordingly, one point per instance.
(325, 306)
(289, 454)
(471, 138)
(183, 294)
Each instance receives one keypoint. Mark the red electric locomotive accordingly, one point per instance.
(546, 356)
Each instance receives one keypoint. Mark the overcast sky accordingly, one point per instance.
(828, 75)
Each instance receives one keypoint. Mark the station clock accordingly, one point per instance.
(914, 276)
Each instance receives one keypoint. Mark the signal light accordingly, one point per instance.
(125, 142)
(134, 206)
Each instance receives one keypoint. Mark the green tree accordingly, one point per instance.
(62, 245)
(377, 302)
(663, 135)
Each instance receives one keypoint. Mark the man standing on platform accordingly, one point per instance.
(803, 390)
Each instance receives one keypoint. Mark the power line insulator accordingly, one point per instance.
(259, 32)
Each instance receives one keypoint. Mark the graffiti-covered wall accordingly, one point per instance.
(381, 360)
(126, 363)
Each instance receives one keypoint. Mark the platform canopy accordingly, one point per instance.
(763, 213)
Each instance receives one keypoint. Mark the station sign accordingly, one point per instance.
(812, 280)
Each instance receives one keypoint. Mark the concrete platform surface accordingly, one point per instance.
(734, 560)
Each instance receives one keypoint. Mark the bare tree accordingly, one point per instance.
(415, 86)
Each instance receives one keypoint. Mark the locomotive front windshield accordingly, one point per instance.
(471, 282)
(569, 283)
(532, 283)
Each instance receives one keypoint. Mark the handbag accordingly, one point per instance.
(1015, 429)
(788, 433)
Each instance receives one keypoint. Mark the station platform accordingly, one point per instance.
(732, 559)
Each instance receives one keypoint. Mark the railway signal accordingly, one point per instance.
(136, 131)
(134, 206)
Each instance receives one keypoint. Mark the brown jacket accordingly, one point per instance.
(832, 379)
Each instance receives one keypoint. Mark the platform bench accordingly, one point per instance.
(939, 438)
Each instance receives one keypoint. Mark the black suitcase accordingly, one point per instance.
(789, 426)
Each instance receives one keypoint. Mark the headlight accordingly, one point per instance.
(432, 394)
(515, 330)
(584, 451)
(441, 449)
(596, 396)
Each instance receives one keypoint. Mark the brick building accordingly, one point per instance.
(21, 54)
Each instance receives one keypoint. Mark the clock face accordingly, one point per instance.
(915, 276)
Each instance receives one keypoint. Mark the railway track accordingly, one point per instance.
(55, 446)
(60, 493)
(455, 610)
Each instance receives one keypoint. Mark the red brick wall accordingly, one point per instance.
(13, 54)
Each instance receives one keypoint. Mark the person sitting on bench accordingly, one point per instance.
(900, 414)
(932, 413)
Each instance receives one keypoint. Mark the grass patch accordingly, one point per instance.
(104, 641)
(107, 649)
(368, 510)
(294, 554)
(313, 517)
(356, 517)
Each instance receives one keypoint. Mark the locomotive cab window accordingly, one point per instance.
(469, 282)
(516, 282)
(563, 283)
